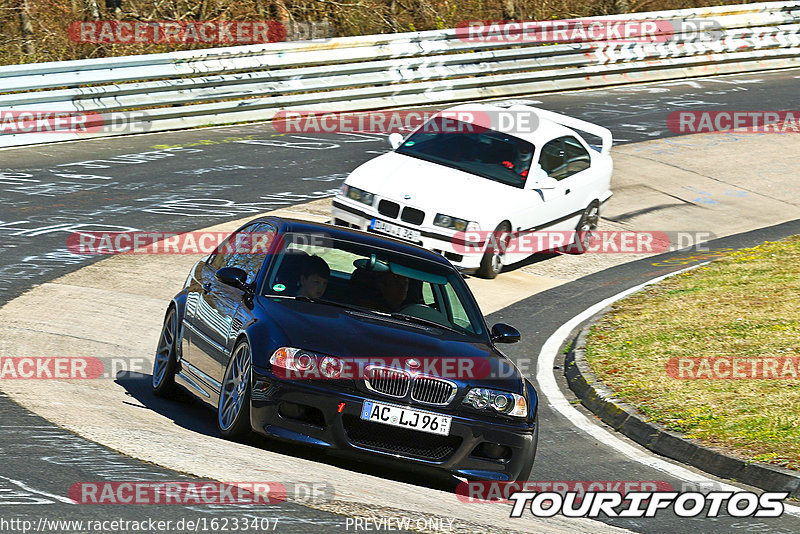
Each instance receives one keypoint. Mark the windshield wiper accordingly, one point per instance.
(427, 322)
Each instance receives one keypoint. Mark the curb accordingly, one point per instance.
(626, 419)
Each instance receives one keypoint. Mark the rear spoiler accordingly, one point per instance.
(575, 124)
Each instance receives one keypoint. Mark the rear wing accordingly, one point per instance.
(573, 123)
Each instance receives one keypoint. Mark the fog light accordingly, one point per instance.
(493, 451)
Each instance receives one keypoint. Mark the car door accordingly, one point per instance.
(215, 320)
(566, 160)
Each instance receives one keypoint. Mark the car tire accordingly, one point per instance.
(166, 359)
(492, 261)
(527, 467)
(587, 225)
(233, 410)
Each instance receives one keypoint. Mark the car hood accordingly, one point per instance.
(336, 331)
(430, 185)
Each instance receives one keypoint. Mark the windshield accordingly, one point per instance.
(373, 280)
(486, 153)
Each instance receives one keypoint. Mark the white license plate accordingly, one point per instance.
(389, 414)
(395, 230)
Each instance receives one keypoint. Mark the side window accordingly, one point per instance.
(577, 158)
(427, 294)
(459, 314)
(246, 249)
(552, 159)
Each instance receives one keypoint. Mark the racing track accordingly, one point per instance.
(159, 196)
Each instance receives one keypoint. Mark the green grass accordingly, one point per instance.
(744, 305)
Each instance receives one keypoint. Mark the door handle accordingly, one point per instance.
(567, 191)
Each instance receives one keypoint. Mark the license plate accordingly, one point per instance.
(389, 414)
(395, 230)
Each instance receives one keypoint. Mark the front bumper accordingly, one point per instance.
(440, 240)
(329, 417)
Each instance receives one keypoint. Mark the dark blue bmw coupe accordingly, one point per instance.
(345, 340)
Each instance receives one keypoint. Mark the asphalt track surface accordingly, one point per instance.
(186, 180)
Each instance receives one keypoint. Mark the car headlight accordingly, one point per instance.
(359, 195)
(461, 225)
(297, 363)
(498, 401)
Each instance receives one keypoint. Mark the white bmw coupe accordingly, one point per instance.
(458, 180)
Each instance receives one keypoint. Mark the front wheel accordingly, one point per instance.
(587, 226)
(527, 467)
(233, 411)
(494, 257)
(166, 359)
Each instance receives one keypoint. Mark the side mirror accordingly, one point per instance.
(235, 277)
(503, 333)
(545, 183)
(395, 140)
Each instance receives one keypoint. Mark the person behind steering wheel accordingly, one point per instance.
(523, 155)
(392, 291)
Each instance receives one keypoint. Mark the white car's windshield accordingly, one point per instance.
(351, 274)
(486, 153)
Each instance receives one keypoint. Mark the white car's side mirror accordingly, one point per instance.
(545, 183)
(540, 180)
(395, 140)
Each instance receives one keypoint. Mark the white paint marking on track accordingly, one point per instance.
(38, 492)
(550, 390)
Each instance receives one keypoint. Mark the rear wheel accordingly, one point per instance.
(494, 257)
(166, 359)
(233, 411)
(587, 226)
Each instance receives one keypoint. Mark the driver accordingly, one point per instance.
(393, 290)
(523, 155)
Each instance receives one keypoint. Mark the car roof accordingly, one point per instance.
(286, 224)
(544, 132)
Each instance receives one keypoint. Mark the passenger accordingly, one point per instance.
(314, 275)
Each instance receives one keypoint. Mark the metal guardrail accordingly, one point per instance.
(192, 88)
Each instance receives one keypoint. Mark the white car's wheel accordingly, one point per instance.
(584, 233)
(494, 258)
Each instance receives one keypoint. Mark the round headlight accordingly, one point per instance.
(443, 220)
(354, 193)
(330, 367)
(460, 225)
(501, 403)
(367, 198)
(304, 362)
